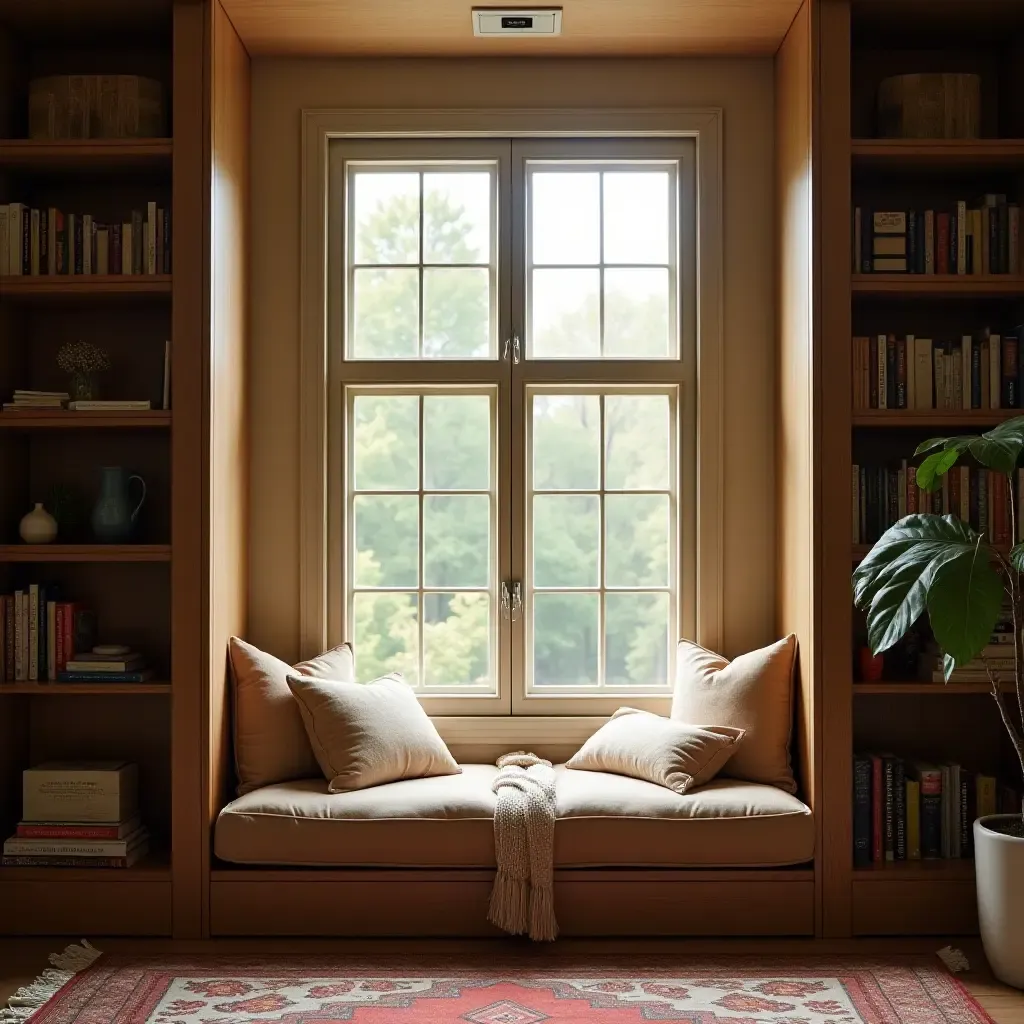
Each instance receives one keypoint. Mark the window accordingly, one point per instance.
(511, 468)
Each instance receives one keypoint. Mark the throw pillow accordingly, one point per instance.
(754, 692)
(644, 746)
(270, 739)
(365, 734)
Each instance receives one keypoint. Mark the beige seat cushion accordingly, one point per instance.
(611, 820)
(270, 739)
(446, 821)
(753, 692)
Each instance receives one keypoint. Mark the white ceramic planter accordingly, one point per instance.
(1000, 873)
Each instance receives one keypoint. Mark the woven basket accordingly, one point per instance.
(95, 107)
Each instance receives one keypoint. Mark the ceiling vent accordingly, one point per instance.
(527, 21)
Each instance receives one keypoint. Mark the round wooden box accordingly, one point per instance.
(95, 107)
(930, 106)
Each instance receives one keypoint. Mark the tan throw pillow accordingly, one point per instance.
(675, 755)
(270, 739)
(365, 734)
(754, 692)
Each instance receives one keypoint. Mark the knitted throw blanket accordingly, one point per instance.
(522, 901)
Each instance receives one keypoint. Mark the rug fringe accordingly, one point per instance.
(29, 998)
(954, 959)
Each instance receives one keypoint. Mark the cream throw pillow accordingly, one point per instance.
(754, 692)
(675, 755)
(270, 739)
(365, 734)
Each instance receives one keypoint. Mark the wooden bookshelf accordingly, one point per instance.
(923, 689)
(83, 156)
(146, 419)
(917, 870)
(83, 689)
(91, 287)
(155, 866)
(938, 286)
(85, 553)
(930, 155)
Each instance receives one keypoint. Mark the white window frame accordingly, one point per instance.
(320, 427)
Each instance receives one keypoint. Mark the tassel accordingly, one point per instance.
(508, 900)
(28, 999)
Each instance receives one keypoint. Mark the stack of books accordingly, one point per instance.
(36, 242)
(910, 810)
(36, 400)
(111, 405)
(106, 665)
(978, 238)
(79, 814)
(40, 633)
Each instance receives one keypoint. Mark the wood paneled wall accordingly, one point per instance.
(796, 476)
(228, 318)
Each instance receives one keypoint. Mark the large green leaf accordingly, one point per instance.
(998, 449)
(893, 585)
(931, 471)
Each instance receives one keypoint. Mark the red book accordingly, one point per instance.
(67, 614)
(942, 243)
(877, 802)
(56, 830)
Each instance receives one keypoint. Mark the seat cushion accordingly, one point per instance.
(613, 821)
(446, 821)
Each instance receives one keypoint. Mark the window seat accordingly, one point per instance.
(447, 822)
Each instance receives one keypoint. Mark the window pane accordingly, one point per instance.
(456, 535)
(386, 636)
(566, 313)
(387, 540)
(456, 313)
(636, 212)
(457, 217)
(386, 443)
(385, 317)
(636, 313)
(637, 430)
(456, 442)
(566, 442)
(636, 640)
(386, 208)
(566, 540)
(457, 632)
(565, 639)
(636, 540)
(566, 219)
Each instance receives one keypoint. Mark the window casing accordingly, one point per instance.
(518, 372)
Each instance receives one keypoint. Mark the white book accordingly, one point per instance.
(882, 373)
(965, 372)
(102, 251)
(14, 246)
(33, 251)
(51, 234)
(940, 377)
(87, 232)
(995, 389)
(126, 248)
(150, 238)
(911, 374)
(5, 240)
(167, 375)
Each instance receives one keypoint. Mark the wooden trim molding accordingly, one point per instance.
(319, 126)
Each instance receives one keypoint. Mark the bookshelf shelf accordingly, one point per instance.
(938, 286)
(92, 287)
(938, 155)
(155, 867)
(931, 689)
(83, 155)
(82, 689)
(976, 418)
(85, 553)
(152, 419)
(917, 870)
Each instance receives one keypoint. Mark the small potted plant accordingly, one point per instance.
(84, 361)
(939, 565)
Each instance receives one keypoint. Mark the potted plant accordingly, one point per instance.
(939, 565)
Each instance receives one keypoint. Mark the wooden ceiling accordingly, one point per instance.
(392, 28)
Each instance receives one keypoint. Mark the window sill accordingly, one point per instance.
(518, 731)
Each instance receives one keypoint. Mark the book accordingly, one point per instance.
(1009, 391)
(115, 405)
(929, 779)
(143, 676)
(74, 846)
(83, 665)
(77, 830)
(41, 861)
(913, 803)
(899, 786)
(861, 811)
(85, 791)
(967, 809)
(877, 810)
(923, 365)
(889, 806)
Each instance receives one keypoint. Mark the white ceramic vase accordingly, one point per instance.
(38, 526)
(999, 867)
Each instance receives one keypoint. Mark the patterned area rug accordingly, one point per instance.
(529, 990)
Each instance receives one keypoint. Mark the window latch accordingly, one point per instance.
(515, 352)
(504, 601)
(517, 601)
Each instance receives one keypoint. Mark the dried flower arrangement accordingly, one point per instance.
(82, 357)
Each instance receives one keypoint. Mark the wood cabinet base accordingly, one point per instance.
(91, 908)
(901, 907)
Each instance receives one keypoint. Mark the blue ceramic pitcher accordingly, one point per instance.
(113, 518)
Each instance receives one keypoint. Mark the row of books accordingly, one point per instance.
(41, 634)
(983, 372)
(910, 810)
(34, 242)
(78, 814)
(48, 401)
(883, 495)
(980, 238)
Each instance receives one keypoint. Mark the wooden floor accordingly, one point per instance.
(21, 960)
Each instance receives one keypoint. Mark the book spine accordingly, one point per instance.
(929, 241)
(9, 621)
(899, 785)
(151, 238)
(975, 375)
(138, 262)
(104, 677)
(33, 860)
(890, 808)
(872, 370)
(51, 640)
(931, 813)
(890, 372)
(901, 373)
(883, 388)
(861, 811)
(87, 240)
(80, 832)
(942, 243)
(115, 258)
(1010, 383)
(79, 244)
(86, 849)
(913, 242)
(34, 242)
(961, 237)
(877, 811)
(33, 632)
(913, 802)
(994, 347)
(26, 240)
(967, 814)
(1013, 239)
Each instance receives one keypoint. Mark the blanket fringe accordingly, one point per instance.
(510, 903)
(543, 924)
(28, 999)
